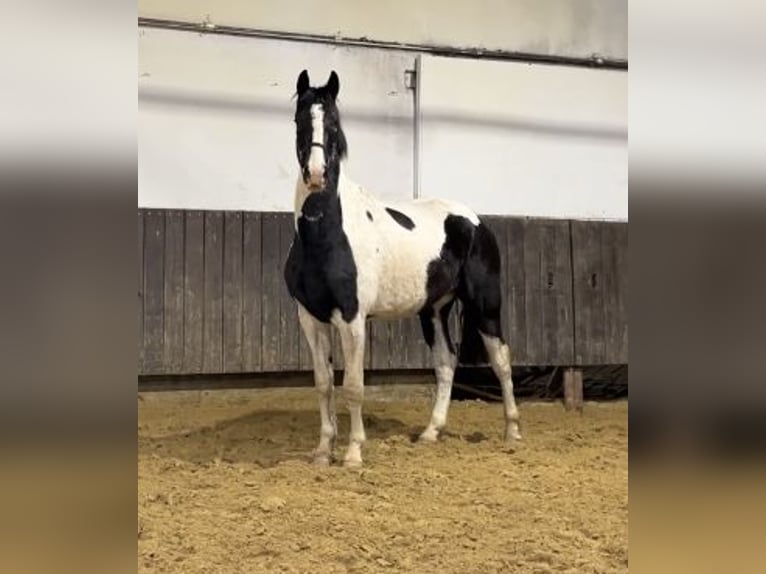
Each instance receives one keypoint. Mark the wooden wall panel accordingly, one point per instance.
(557, 322)
(616, 284)
(212, 297)
(599, 255)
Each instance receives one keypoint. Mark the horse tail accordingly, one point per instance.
(479, 294)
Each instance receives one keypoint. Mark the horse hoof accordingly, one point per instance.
(512, 436)
(322, 459)
(352, 463)
(428, 437)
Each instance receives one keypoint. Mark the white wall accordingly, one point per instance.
(577, 28)
(216, 132)
(215, 128)
(524, 139)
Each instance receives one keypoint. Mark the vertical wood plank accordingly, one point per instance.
(532, 292)
(194, 290)
(174, 292)
(289, 328)
(548, 286)
(368, 346)
(397, 350)
(272, 281)
(154, 246)
(556, 298)
(380, 343)
(564, 352)
(252, 292)
(411, 351)
(614, 252)
(620, 350)
(212, 355)
(140, 292)
(417, 350)
(515, 237)
(588, 292)
(232, 292)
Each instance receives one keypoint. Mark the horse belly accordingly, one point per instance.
(401, 287)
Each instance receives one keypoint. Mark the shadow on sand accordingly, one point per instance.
(265, 438)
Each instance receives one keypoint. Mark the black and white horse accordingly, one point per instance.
(354, 258)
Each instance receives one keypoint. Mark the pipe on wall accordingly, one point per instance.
(208, 27)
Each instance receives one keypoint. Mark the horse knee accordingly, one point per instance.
(444, 373)
(353, 391)
(323, 382)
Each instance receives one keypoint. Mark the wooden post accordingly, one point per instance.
(573, 396)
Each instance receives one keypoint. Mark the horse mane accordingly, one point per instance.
(331, 108)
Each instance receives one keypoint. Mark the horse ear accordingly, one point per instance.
(333, 84)
(303, 83)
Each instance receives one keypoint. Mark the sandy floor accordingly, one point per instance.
(224, 485)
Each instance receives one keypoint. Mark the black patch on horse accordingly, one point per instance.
(401, 219)
(426, 323)
(369, 216)
(320, 271)
(480, 292)
(443, 273)
(468, 266)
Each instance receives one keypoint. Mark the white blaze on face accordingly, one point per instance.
(316, 155)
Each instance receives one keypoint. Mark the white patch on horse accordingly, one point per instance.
(316, 156)
(392, 261)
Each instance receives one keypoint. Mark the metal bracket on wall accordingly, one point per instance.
(410, 79)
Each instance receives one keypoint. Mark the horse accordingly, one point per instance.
(355, 258)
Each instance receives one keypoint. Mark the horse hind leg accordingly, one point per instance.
(436, 332)
(500, 359)
(480, 294)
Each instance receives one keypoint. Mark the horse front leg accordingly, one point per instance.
(318, 337)
(352, 340)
